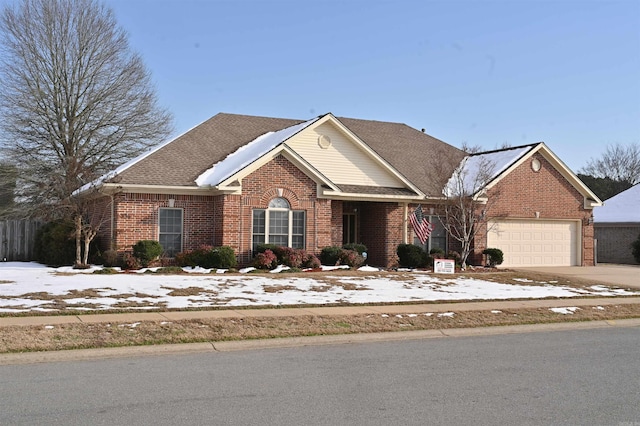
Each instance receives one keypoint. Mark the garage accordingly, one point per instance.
(535, 242)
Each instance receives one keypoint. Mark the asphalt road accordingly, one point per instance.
(563, 377)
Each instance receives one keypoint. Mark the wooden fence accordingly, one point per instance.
(17, 239)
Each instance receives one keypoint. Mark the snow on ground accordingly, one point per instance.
(31, 286)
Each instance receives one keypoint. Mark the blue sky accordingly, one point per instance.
(482, 72)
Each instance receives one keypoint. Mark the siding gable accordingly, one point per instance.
(343, 162)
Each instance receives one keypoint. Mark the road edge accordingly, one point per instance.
(290, 342)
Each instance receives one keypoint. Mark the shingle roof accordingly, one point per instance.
(426, 161)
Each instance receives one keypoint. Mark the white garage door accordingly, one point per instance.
(535, 242)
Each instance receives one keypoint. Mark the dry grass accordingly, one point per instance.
(76, 336)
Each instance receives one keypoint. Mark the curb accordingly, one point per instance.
(291, 342)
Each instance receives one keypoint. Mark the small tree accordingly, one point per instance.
(466, 206)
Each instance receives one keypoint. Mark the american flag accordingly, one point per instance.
(421, 226)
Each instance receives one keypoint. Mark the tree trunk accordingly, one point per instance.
(88, 234)
(78, 223)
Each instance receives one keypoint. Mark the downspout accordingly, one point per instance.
(113, 221)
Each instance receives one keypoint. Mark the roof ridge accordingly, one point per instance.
(530, 145)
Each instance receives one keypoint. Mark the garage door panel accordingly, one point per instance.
(535, 242)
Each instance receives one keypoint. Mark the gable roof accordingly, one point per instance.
(230, 141)
(478, 170)
(481, 171)
(622, 208)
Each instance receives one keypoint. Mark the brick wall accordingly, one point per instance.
(136, 218)
(277, 178)
(614, 242)
(381, 230)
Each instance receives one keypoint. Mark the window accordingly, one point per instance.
(278, 225)
(170, 235)
(438, 237)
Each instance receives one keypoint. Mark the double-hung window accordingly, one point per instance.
(170, 233)
(279, 225)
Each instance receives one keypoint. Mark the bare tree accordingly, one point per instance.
(470, 149)
(75, 101)
(619, 163)
(466, 207)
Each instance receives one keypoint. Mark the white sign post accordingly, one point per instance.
(444, 266)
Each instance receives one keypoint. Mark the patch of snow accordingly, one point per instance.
(279, 269)
(333, 268)
(49, 327)
(600, 308)
(367, 268)
(247, 270)
(496, 312)
(565, 311)
(447, 314)
(523, 280)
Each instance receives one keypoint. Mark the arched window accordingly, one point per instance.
(279, 225)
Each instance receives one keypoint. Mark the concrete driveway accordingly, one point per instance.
(621, 275)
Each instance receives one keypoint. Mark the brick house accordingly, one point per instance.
(242, 180)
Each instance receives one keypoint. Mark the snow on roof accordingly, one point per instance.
(477, 170)
(248, 153)
(624, 207)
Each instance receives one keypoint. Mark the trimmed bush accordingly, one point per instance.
(265, 260)
(495, 256)
(437, 253)
(261, 248)
(412, 256)
(129, 262)
(360, 248)
(330, 255)
(288, 256)
(310, 261)
(208, 257)
(147, 251)
(635, 249)
(224, 257)
(350, 258)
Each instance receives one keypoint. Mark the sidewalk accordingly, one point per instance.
(314, 311)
